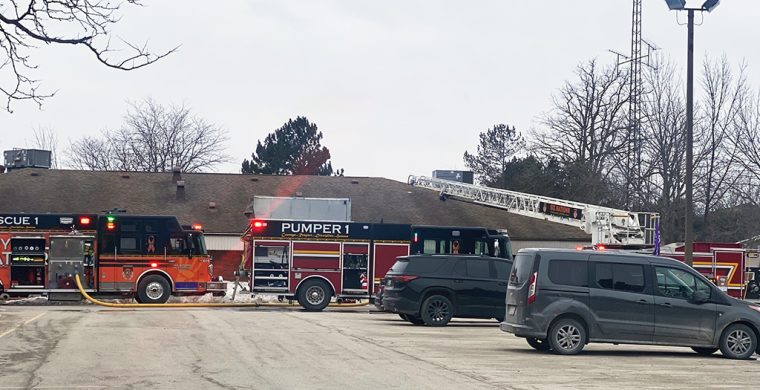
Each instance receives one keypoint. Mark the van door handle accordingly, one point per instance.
(502, 283)
(642, 301)
(666, 304)
(457, 280)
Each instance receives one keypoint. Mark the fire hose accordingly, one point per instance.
(190, 305)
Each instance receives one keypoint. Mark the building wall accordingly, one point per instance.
(223, 242)
(226, 263)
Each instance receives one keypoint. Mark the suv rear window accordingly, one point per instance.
(569, 272)
(521, 269)
(416, 265)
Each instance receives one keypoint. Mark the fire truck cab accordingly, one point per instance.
(313, 261)
(146, 257)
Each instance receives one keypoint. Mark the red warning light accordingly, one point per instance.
(110, 225)
(600, 247)
(153, 265)
(579, 248)
(84, 220)
(259, 224)
(197, 226)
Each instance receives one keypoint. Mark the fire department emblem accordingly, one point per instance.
(127, 273)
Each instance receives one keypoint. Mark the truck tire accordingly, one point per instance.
(153, 289)
(314, 295)
(437, 310)
(738, 341)
(567, 337)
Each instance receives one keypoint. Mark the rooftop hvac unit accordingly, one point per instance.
(27, 158)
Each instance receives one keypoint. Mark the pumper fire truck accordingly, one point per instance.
(312, 261)
(145, 257)
(729, 265)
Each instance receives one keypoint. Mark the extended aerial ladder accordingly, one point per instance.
(606, 225)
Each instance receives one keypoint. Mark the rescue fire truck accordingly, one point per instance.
(734, 269)
(313, 261)
(149, 258)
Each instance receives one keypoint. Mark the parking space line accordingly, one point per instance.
(11, 330)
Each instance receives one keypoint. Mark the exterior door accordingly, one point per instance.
(622, 301)
(476, 287)
(678, 319)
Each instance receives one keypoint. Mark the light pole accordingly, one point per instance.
(680, 5)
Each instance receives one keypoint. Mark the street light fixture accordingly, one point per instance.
(680, 5)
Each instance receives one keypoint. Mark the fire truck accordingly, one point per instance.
(734, 269)
(149, 258)
(313, 261)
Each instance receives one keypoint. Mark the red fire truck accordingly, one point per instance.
(145, 257)
(729, 265)
(313, 261)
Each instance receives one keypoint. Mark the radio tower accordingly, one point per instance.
(634, 138)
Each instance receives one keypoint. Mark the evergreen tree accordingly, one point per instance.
(293, 149)
(496, 148)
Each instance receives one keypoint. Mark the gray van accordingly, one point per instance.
(560, 300)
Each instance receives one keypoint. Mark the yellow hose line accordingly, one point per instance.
(140, 305)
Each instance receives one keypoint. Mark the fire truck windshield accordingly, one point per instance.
(197, 243)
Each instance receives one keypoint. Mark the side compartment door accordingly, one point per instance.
(621, 300)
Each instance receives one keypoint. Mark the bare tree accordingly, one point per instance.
(664, 147)
(585, 128)
(717, 165)
(46, 139)
(746, 137)
(154, 138)
(83, 23)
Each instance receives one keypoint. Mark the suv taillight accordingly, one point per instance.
(404, 278)
(532, 287)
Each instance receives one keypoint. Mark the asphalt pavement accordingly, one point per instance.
(88, 347)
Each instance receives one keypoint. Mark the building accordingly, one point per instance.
(222, 203)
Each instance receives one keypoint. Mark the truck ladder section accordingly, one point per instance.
(606, 225)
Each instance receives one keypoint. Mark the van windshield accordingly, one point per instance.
(521, 269)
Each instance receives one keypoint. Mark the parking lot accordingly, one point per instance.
(81, 347)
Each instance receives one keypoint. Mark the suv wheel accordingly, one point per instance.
(704, 351)
(437, 310)
(538, 344)
(738, 341)
(567, 337)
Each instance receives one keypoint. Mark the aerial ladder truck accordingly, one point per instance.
(607, 226)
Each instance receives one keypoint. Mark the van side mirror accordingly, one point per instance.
(699, 297)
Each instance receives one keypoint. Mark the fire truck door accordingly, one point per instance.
(66, 259)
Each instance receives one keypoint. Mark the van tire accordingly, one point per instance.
(567, 336)
(314, 295)
(738, 341)
(538, 344)
(437, 310)
(153, 289)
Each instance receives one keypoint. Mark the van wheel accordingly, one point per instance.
(153, 289)
(538, 344)
(704, 351)
(567, 337)
(314, 295)
(437, 310)
(738, 341)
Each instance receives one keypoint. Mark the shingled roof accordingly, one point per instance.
(373, 199)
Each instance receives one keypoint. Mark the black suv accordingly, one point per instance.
(431, 289)
(562, 300)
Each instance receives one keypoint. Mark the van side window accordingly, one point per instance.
(569, 272)
(620, 277)
(680, 284)
(478, 269)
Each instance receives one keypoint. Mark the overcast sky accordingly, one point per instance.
(397, 87)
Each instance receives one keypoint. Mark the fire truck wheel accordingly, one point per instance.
(314, 295)
(437, 311)
(704, 351)
(153, 289)
(738, 341)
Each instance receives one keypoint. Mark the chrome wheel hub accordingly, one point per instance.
(154, 290)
